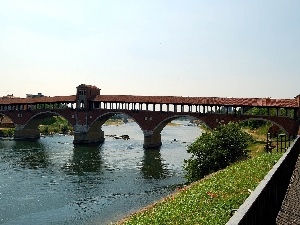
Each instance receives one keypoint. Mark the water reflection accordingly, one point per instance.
(85, 159)
(153, 166)
(58, 183)
(31, 154)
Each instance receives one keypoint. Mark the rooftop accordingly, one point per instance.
(221, 101)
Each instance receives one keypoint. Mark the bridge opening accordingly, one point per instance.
(115, 126)
(180, 129)
(55, 124)
(82, 105)
(272, 135)
(121, 126)
(44, 123)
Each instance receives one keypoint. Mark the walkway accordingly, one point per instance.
(290, 209)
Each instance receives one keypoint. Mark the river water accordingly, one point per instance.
(51, 181)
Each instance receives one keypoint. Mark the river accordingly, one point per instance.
(51, 181)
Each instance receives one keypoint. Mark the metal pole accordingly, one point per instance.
(284, 142)
(277, 142)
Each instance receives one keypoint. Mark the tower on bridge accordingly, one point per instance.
(84, 94)
(82, 134)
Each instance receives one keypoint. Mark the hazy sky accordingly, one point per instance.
(225, 48)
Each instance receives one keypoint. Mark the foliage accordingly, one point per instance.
(254, 124)
(210, 200)
(55, 124)
(51, 120)
(7, 132)
(216, 150)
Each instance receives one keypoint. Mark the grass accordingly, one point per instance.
(110, 122)
(211, 200)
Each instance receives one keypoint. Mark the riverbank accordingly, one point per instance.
(214, 199)
(211, 200)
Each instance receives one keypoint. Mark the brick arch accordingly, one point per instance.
(100, 120)
(164, 122)
(288, 126)
(29, 129)
(34, 121)
(274, 123)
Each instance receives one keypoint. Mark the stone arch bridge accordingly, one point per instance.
(87, 111)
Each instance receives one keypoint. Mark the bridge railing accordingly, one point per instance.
(163, 107)
(264, 203)
(198, 108)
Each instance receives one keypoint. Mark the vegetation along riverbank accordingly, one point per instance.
(213, 199)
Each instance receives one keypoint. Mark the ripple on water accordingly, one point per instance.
(53, 182)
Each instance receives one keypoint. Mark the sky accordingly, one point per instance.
(205, 48)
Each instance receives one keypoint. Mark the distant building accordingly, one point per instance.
(5, 122)
(34, 96)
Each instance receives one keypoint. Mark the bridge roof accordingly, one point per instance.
(44, 99)
(255, 102)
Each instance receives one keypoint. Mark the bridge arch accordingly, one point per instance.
(30, 130)
(152, 139)
(94, 133)
(267, 120)
(100, 120)
(164, 122)
(35, 120)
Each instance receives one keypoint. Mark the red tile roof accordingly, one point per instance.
(254, 102)
(55, 99)
(199, 100)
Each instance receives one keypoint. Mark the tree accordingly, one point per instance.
(254, 124)
(215, 150)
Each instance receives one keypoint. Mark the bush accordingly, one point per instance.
(7, 132)
(55, 124)
(216, 150)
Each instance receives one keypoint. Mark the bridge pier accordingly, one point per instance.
(84, 136)
(152, 139)
(26, 133)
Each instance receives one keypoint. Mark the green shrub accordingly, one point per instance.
(7, 132)
(216, 150)
(55, 124)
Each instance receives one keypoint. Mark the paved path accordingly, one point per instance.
(290, 209)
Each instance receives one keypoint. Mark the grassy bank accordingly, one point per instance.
(55, 124)
(213, 199)
(210, 200)
(116, 122)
